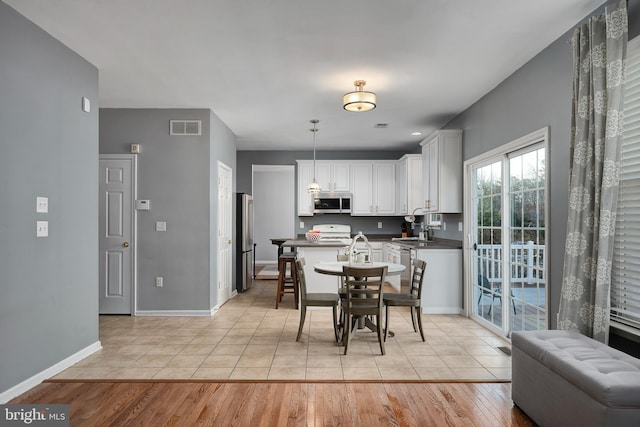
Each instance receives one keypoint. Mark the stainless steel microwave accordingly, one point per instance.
(332, 203)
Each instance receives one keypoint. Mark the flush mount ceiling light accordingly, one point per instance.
(359, 100)
(314, 187)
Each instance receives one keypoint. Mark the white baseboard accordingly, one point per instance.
(441, 310)
(29, 383)
(176, 313)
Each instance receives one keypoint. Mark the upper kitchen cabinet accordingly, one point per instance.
(442, 172)
(408, 184)
(333, 176)
(305, 176)
(373, 188)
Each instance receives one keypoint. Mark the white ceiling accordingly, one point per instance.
(266, 67)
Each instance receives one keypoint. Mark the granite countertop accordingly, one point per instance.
(431, 244)
(304, 243)
(437, 243)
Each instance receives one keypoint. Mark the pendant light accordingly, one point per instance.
(314, 187)
(359, 100)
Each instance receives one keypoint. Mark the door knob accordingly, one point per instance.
(125, 244)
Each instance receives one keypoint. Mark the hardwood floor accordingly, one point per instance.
(273, 403)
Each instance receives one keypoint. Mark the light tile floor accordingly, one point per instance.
(249, 339)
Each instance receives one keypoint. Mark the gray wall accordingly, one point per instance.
(49, 147)
(222, 148)
(178, 174)
(535, 96)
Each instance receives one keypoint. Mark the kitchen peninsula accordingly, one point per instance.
(313, 253)
(442, 284)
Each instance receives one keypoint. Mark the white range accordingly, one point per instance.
(334, 233)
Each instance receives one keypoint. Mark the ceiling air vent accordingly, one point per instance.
(381, 125)
(185, 127)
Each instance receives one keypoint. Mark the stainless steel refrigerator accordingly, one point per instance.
(244, 239)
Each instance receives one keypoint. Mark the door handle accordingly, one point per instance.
(229, 241)
(125, 244)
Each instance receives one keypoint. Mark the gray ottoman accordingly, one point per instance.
(562, 378)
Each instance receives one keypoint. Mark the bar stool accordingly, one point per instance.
(287, 284)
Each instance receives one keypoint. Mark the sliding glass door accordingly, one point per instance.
(506, 263)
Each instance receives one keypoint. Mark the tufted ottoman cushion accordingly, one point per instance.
(558, 372)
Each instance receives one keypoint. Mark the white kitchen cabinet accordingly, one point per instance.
(373, 188)
(442, 286)
(317, 282)
(305, 176)
(333, 175)
(442, 172)
(393, 254)
(408, 184)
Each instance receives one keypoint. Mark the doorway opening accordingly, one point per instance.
(274, 192)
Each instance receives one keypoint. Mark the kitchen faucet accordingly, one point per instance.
(353, 247)
(424, 228)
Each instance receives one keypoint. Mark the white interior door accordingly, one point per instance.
(117, 233)
(225, 233)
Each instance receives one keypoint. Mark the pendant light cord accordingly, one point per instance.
(314, 130)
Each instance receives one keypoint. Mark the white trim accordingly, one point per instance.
(535, 136)
(628, 332)
(134, 222)
(442, 310)
(223, 168)
(540, 136)
(177, 313)
(51, 371)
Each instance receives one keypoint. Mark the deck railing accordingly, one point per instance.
(527, 262)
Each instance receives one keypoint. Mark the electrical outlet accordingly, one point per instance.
(301, 224)
(161, 226)
(379, 224)
(159, 281)
(460, 226)
(444, 226)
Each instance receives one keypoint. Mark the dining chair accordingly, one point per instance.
(412, 299)
(308, 299)
(364, 295)
(342, 293)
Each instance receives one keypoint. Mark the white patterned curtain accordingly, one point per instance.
(599, 55)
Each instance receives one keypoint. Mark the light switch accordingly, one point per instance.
(42, 204)
(42, 228)
(379, 224)
(161, 226)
